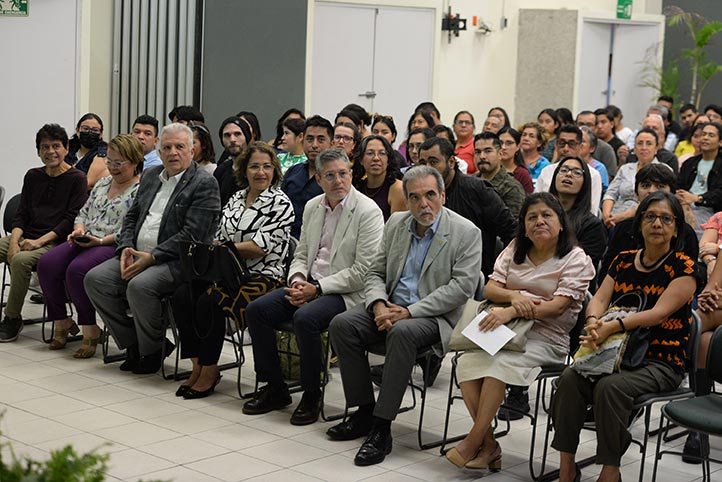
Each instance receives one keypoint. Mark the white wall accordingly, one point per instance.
(477, 72)
(51, 73)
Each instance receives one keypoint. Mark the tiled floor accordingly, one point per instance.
(51, 399)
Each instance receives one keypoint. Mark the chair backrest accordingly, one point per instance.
(10, 209)
(292, 244)
(714, 356)
(577, 329)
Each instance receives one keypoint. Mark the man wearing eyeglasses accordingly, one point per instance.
(178, 201)
(568, 144)
(342, 230)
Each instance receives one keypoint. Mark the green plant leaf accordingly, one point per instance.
(706, 32)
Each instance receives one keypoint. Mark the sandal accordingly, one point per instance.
(88, 347)
(60, 339)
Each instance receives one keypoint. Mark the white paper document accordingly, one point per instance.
(490, 341)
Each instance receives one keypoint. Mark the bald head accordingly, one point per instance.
(656, 123)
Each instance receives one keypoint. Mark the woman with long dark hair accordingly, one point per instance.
(377, 176)
(203, 152)
(549, 120)
(291, 113)
(512, 159)
(87, 149)
(543, 275)
(572, 184)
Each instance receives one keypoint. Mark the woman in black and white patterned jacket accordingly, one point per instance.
(258, 220)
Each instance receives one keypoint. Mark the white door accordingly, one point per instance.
(594, 65)
(378, 57)
(342, 57)
(632, 45)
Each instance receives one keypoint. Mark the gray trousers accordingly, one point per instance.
(612, 397)
(353, 331)
(112, 296)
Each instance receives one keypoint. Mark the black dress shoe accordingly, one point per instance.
(182, 390)
(517, 403)
(308, 410)
(192, 394)
(268, 399)
(149, 364)
(132, 357)
(357, 425)
(692, 452)
(37, 298)
(374, 449)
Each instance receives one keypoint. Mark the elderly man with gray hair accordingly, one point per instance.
(175, 202)
(427, 269)
(340, 234)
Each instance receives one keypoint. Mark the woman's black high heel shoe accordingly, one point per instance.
(192, 394)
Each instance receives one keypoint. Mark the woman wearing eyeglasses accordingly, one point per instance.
(346, 137)
(512, 160)
(87, 148)
(620, 200)
(464, 130)
(668, 277)
(91, 243)
(572, 184)
(377, 175)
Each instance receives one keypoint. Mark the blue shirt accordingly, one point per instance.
(602, 169)
(407, 290)
(152, 159)
(536, 169)
(300, 189)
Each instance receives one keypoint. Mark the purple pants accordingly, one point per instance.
(63, 268)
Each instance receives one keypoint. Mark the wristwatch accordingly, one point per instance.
(319, 291)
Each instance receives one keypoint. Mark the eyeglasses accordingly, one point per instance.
(463, 123)
(331, 176)
(87, 129)
(414, 147)
(339, 137)
(564, 143)
(116, 164)
(382, 118)
(574, 171)
(372, 154)
(508, 143)
(650, 218)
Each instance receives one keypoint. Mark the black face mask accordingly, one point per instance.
(89, 139)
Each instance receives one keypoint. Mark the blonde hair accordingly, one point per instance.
(130, 149)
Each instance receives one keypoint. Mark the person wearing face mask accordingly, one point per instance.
(88, 149)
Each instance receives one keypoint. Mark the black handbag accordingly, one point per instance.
(213, 265)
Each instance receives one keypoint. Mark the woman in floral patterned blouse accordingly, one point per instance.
(92, 242)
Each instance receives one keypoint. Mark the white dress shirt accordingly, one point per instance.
(148, 233)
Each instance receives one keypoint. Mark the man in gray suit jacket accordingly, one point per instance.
(340, 235)
(176, 201)
(415, 292)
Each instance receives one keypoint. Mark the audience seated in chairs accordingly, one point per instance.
(50, 199)
(91, 243)
(340, 235)
(544, 276)
(668, 277)
(175, 202)
(258, 220)
(427, 268)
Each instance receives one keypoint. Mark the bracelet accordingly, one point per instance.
(621, 323)
(591, 316)
(100, 239)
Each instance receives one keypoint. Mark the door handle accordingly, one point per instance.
(369, 94)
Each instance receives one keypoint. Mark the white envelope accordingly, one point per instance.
(490, 341)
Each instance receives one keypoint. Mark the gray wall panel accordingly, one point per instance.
(545, 61)
(254, 59)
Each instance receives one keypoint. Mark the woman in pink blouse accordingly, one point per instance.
(543, 276)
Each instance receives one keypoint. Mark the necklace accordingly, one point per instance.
(655, 263)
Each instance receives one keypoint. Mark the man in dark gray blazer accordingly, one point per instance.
(176, 201)
(414, 294)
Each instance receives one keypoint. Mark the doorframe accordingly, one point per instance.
(434, 5)
(610, 18)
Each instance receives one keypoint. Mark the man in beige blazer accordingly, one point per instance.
(340, 235)
(416, 289)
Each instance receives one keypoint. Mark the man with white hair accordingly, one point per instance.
(175, 202)
(427, 268)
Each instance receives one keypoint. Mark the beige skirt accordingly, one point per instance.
(511, 367)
